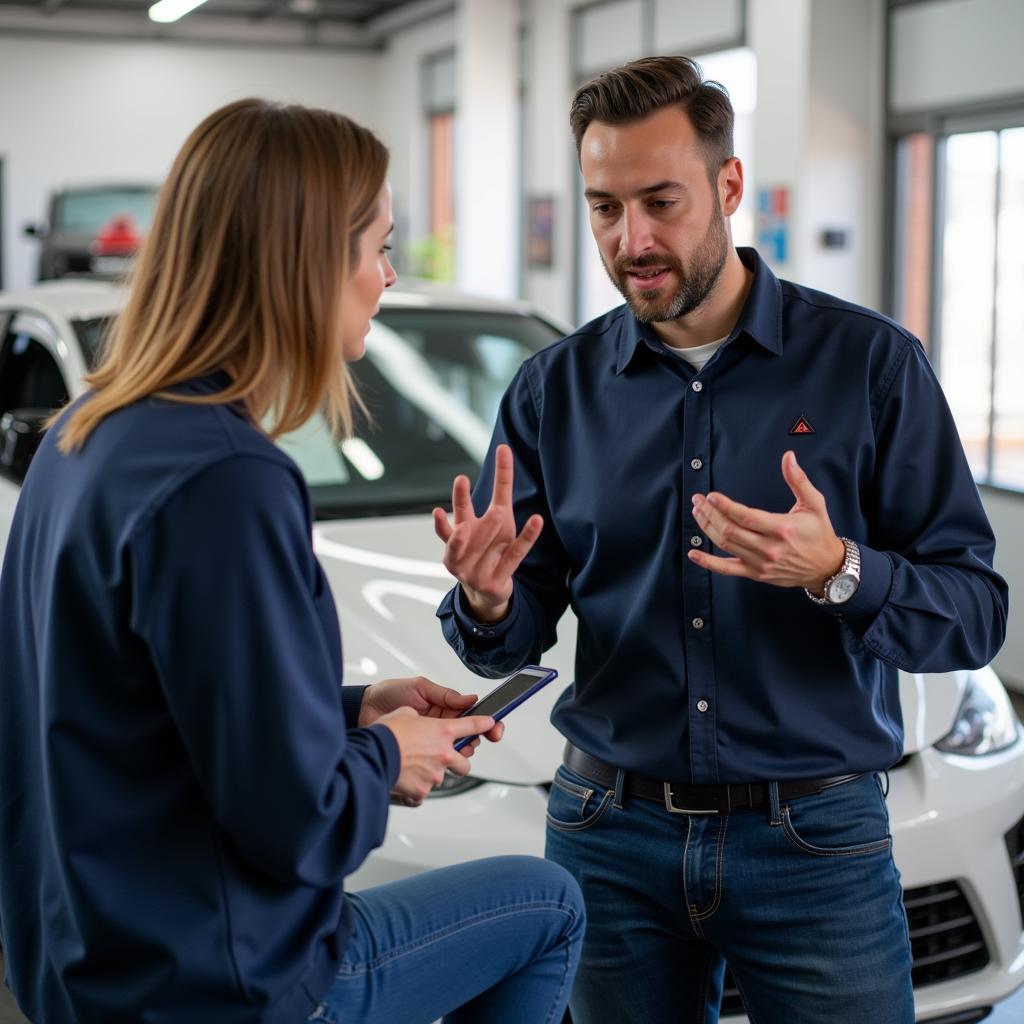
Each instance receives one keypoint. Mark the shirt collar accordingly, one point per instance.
(761, 318)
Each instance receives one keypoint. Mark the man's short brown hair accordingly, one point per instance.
(638, 89)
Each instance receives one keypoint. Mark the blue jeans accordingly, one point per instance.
(803, 901)
(494, 941)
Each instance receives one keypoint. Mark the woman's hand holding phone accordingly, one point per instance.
(427, 748)
(423, 695)
(483, 553)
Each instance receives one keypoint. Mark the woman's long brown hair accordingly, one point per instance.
(256, 228)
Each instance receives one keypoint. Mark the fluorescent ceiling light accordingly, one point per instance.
(171, 10)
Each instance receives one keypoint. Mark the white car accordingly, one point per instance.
(435, 369)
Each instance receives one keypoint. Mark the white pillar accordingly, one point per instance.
(819, 133)
(486, 145)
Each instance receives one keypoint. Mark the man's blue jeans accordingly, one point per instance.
(803, 901)
(494, 941)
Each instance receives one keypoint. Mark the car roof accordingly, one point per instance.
(84, 299)
(68, 298)
(415, 294)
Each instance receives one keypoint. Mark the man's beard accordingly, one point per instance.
(695, 281)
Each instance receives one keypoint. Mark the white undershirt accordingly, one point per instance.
(698, 355)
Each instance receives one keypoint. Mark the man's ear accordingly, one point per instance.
(730, 185)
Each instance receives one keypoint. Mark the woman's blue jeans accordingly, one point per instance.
(494, 941)
(803, 901)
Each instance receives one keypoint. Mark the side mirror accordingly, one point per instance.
(21, 431)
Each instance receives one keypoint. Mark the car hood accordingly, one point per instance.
(387, 580)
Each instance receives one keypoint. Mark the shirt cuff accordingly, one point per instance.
(351, 702)
(875, 583)
(475, 630)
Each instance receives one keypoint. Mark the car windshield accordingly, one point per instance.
(87, 211)
(432, 380)
(90, 334)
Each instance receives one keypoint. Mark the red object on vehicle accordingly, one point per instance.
(120, 237)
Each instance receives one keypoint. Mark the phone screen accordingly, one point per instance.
(513, 687)
(509, 694)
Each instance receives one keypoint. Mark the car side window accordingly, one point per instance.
(29, 375)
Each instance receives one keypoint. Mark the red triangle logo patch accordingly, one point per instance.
(802, 426)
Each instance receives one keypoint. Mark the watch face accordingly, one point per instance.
(842, 588)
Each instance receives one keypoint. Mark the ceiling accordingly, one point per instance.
(355, 24)
(352, 12)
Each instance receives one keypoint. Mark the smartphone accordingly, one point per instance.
(508, 695)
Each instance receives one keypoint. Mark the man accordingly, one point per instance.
(754, 497)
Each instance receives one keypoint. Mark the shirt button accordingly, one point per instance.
(702, 706)
(697, 386)
(696, 464)
(696, 541)
(697, 623)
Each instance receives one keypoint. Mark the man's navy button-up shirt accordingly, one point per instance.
(688, 675)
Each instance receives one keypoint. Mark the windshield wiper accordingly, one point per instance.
(369, 510)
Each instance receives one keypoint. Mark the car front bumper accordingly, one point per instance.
(950, 816)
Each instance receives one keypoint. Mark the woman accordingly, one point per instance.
(184, 785)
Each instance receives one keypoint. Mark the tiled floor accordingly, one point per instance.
(1009, 1012)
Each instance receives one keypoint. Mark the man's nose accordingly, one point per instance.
(636, 235)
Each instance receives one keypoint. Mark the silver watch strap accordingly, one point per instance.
(851, 563)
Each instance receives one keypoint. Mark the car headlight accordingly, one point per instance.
(453, 785)
(985, 721)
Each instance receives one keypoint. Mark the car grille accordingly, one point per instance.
(944, 934)
(945, 939)
(1015, 847)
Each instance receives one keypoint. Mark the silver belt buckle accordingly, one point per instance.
(671, 807)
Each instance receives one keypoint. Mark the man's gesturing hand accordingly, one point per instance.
(795, 549)
(482, 554)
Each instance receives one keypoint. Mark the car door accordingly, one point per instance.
(31, 376)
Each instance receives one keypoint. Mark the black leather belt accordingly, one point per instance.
(681, 798)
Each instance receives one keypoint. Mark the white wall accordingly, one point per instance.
(401, 121)
(550, 169)
(85, 112)
(487, 148)
(820, 131)
(842, 175)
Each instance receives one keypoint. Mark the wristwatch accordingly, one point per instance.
(843, 585)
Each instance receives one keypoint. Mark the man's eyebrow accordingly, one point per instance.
(661, 186)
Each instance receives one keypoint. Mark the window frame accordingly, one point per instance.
(994, 114)
(940, 125)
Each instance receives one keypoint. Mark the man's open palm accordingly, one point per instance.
(483, 552)
(795, 549)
